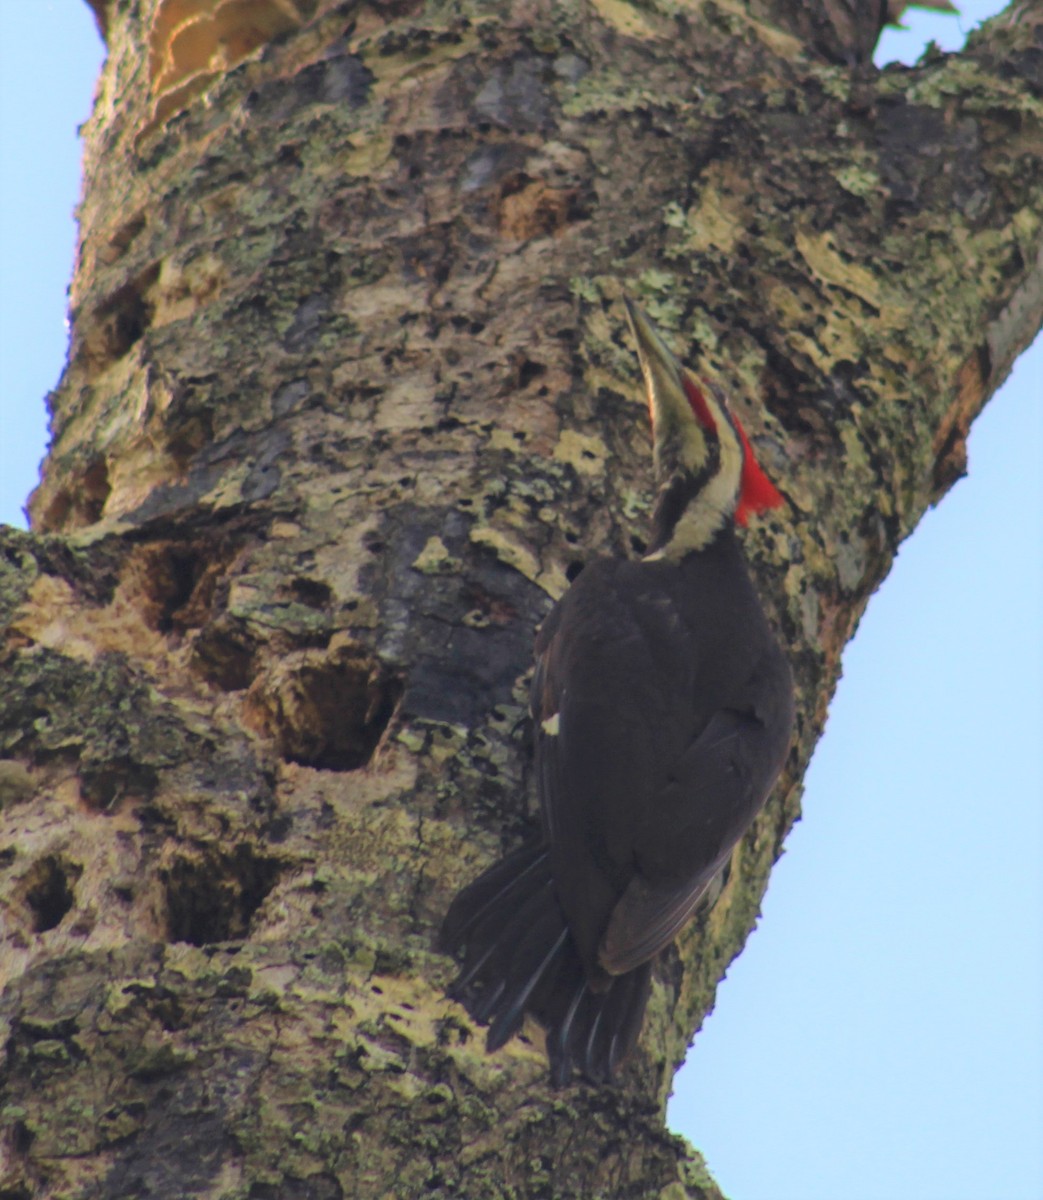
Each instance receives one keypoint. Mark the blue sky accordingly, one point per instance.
(881, 1038)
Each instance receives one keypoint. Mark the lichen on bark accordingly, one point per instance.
(348, 400)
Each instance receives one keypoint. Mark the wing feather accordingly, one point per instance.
(719, 786)
(661, 721)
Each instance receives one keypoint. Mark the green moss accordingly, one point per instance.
(102, 712)
(859, 180)
(976, 89)
(674, 216)
(155, 1060)
(694, 1171)
(585, 288)
(18, 570)
(50, 1050)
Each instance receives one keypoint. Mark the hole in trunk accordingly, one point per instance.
(211, 897)
(50, 892)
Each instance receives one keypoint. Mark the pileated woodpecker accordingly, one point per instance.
(662, 708)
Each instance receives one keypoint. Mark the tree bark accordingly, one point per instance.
(348, 397)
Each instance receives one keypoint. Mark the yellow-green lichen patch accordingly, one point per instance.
(834, 81)
(607, 91)
(976, 90)
(446, 741)
(674, 216)
(674, 1191)
(859, 181)
(157, 1055)
(16, 784)
(365, 154)
(626, 19)
(399, 64)
(584, 452)
(718, 221)
(583, 287)
(511, 550)
(858, 468)
(821, 254)
(435, 559)
(504, 439)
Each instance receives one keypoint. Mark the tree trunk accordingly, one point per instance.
(349, 394)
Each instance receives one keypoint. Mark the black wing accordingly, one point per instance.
(653, 754)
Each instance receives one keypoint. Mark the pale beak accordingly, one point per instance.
(667, 403)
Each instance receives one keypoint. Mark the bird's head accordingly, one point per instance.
(705, 469)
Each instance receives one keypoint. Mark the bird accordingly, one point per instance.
(662, 708)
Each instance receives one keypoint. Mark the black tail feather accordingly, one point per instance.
(491, 937)
(558, 1050)
(509, 1018)
(509, 934)
(477, 900)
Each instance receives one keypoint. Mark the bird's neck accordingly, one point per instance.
(691, 515)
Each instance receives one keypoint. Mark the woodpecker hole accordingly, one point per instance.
(119, 322)
(325, 711)
(103, 784)
(81, 503)
(573, 570)
(167, 574)
(474, 328)
(187, 433)
(212, 897)
(530, 208)
(94, 489)
(311, 592)
(22, 1138)
(49, 894)
(223, 653)
(528, 371)
(178, 581)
